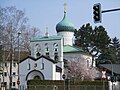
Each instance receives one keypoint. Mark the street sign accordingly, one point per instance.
(63, 76)
(18, 82)
(104, 77)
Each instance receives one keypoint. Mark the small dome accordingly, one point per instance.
(65, 25)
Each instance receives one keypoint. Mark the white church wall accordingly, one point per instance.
(68, 37)
(57, 76)
(24, 70)
(76, 56)
(51, 50)
(49, 70)
(50, 46)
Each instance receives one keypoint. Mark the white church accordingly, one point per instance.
(49, 52)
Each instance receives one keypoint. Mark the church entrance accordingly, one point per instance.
(37, 77)
(35, 74)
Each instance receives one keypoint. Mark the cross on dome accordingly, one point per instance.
(65, 5)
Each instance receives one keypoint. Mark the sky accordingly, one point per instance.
(47, 13)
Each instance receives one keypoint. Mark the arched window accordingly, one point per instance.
(38, 50)
(28, 65)
(38, 54)
(47, 50)
(88, 61)
(55, 45)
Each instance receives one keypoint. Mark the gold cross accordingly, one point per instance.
(65, 7)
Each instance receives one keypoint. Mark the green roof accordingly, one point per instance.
(46, 38)
(72, 49)
(68, 48)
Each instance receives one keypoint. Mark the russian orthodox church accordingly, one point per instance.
(49, 52)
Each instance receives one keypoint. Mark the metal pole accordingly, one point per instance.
(112, 76)
(110, 10)
(112, 71)
(10, 84)
(18, 59)
(103, 85)
(64, 84)
(3, 62)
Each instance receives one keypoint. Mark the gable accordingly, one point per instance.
(39, 58)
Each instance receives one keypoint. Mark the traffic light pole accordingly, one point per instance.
(112, 73)
(18, 81)
(104, 11)
(110, 10)
(97, 12)
(112, 70)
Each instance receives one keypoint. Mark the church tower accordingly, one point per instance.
(66, 29)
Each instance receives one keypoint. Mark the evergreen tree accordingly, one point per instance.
(115, 43)
(105, 55)
(94, 41)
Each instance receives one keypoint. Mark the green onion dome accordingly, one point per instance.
(65, 25)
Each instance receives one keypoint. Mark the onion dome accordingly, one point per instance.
(65, 25)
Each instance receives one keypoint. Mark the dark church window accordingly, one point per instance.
(5, 83)
(14, 64)
(56, 56)
(38, 50)
(38, 54)
(55, 45)
(5, 64)
(42, 66)
(13, 83)
(47, 50)
(28, 66)
(14, 73)
(35, 65)
(47, 54)
(37, 77)
(5, 73)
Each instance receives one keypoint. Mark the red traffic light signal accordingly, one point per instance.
(97, 13)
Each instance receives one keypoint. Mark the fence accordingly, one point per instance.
(116, 87)
(62, 87)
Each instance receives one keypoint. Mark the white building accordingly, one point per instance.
(47, 55)
(6, 74)
(48, 52)
(5, 69)
(46, 60)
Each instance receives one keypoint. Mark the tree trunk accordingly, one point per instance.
(92, 60)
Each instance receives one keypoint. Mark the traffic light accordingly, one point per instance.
(112, 79)
(97, 13)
